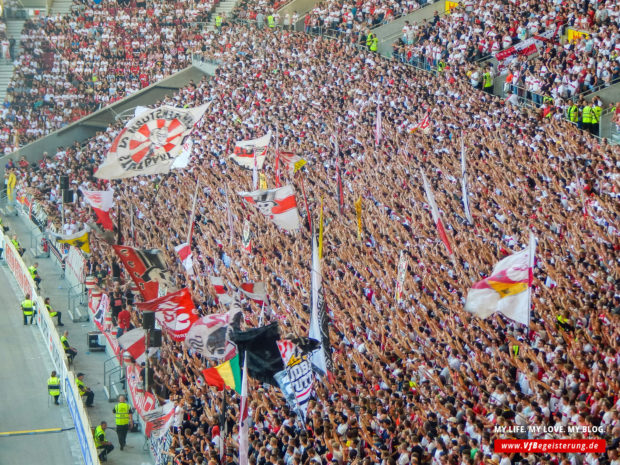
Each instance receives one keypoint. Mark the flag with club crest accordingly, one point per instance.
(150, 142)
(299, 371)
(251, 154)
(220, 290)
(175, 312)
(507, 290)
(279, 205)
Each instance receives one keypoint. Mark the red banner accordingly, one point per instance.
(175, 312)
(147, 269)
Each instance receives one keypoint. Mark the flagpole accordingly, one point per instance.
(193, 214)
(531, 261)
(303, 190)
(118, 224)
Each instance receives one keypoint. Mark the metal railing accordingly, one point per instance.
(114, 380)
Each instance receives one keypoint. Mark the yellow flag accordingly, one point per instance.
(299, 165)
(81, 241)
(321, 231)
(262, 181)
(358, 210)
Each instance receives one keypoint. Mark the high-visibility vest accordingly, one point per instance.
(271, 21)
(15, 243)
(28, 307)
(218, 21)
(562, 320)
(441, 66)
(122, 413)
(596, 114)
(65, 342)
(586, 115)
(515, 350)
(33, 271)
(573, 113)
(53, 386)
(375, 44)
(81, 386)
(99, 436)
(369, 39)
(51, 311)
(487, 80)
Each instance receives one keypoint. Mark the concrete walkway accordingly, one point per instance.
(89, 363)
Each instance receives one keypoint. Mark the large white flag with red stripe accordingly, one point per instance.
(101, 203)
(220, 290)
(507, 290)
(150, 142)
(185, 254)
(277, 204)
(255, 291)
(252, 153)
(435, 212)
(134, 342)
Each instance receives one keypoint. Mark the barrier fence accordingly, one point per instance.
(56, 352)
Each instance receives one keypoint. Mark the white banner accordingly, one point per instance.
(75, 266)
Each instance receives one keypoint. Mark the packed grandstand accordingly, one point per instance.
(412, 376)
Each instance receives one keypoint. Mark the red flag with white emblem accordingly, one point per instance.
(175, 312)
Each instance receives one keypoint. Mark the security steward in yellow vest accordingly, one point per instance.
(19, 248)
(596, 118)
(271, 21)
(573, 113)
(53, 313)
(34, 274)
(586, 117)
(28, 310)
(218, 22)
(369, 40)
(84, 390)
(104, 447)
(53, 387)
(374, 46)
(70, 351)
(122, 416)
(487, 82)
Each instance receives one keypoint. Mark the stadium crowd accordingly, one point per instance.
(74, 64)
(419, 381)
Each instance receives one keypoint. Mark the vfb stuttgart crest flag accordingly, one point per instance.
(150, 142)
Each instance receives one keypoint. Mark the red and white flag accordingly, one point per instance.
(185, 254)
(292, 163)
(435, 211)
(244, 420)
(209, 335)
(250, 153)
(378, 128)
(255, 291)
(424, 125)
(508, 289)
(220, 290)
(175, 312)
(246, 237)
(101, 203)
(159, 420)
(134, 342)
(279, 205)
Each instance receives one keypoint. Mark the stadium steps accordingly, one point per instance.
(13, 29)
(225, 7)
(61, 7)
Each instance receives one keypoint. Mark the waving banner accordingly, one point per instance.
(147, 269)
(159, 420)
(252, 153)
(175, 312)
(277, 204)
(150, 142)
(299, 371)
(210, 336)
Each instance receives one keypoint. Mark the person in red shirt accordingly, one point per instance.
(124, 322)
